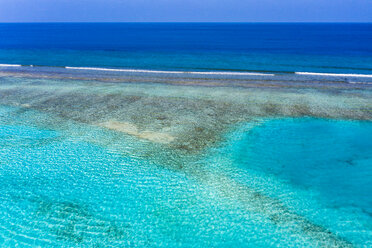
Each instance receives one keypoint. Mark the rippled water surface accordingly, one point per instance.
(287, 181)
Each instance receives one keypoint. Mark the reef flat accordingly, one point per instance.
(186, 117)
(176, 134)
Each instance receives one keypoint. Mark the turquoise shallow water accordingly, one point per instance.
(297, 182)
(319, 168)
(332, 157)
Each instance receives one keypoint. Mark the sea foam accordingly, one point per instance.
(334, 74)
(9, 65)
(170, 72)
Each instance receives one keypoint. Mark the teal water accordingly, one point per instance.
(330, 156)
(290, 182)
(319, 168)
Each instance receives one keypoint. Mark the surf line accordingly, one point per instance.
(333, 74)
(171, 72)
(9, 65)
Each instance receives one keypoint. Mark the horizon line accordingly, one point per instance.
(221, 22)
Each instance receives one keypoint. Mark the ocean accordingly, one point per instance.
(185, 135)
(326, 48)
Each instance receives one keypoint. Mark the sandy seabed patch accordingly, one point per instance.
(132, 129)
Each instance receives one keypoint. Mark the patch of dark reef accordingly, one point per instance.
(76, 223)
(195, 117)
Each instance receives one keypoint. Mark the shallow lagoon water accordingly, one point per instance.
(330, 156)
(319, 168)
(269, 182)
(146, 161)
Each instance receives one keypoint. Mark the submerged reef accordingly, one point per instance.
(182, 117)
(76, 223)
(176, 123)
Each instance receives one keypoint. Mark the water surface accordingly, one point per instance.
(185, 135)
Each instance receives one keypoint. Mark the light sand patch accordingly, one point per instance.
(131, 129)
(26, 105)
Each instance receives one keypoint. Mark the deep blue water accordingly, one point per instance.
(337, 48)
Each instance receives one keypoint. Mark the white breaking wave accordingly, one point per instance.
(334, 74)
(170, 72)
(206, 72)
(9, 65)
